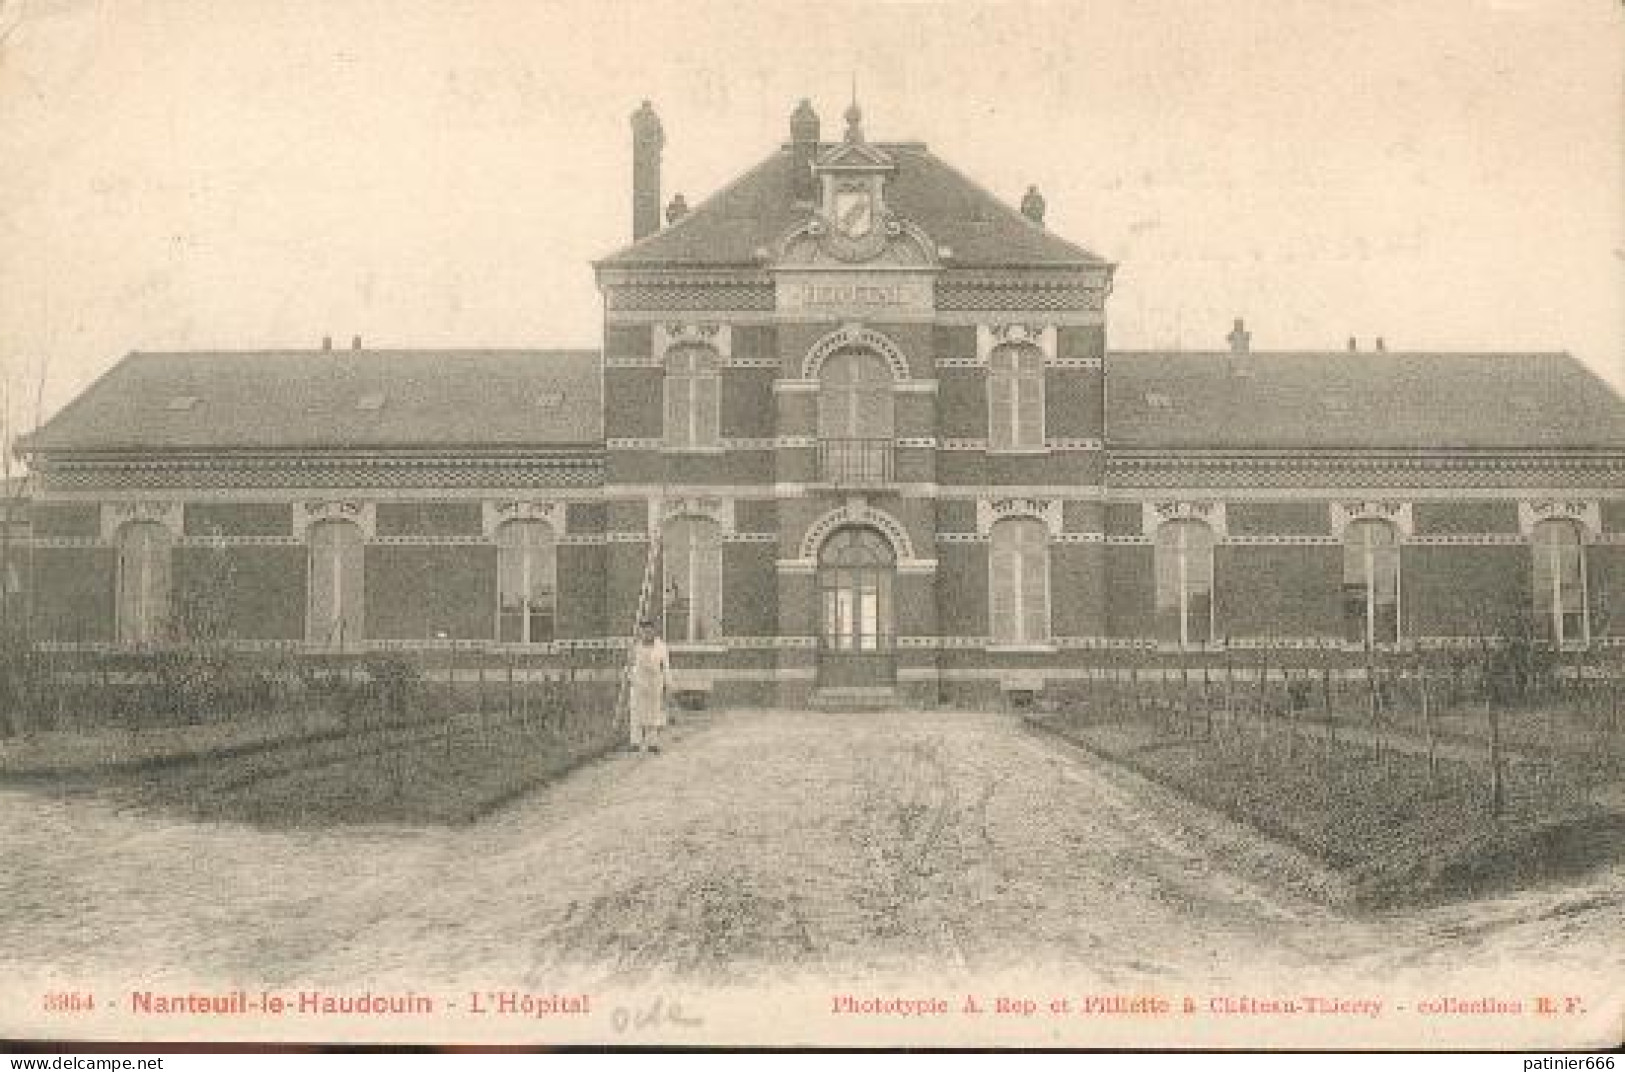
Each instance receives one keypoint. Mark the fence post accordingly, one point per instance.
(1229, 685)
(1427, 716)
(1207, 700)
(1497, 789)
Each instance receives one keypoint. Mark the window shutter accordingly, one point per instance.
(352, 598)
(1004, 579)
(709, 567)
(679, 399)
(706, 419)
(1030, 408)
(674, 574)
(1001, 431)
(1034, 582)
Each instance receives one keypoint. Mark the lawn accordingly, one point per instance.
(1394, 833)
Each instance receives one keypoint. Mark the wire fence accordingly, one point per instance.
(1539, 727)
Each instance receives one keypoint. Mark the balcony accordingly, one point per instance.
(856, 463)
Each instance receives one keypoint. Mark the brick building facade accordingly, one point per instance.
(867, 415)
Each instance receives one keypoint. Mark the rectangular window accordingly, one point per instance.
(1015, 394)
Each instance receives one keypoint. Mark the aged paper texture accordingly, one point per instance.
(960, 523)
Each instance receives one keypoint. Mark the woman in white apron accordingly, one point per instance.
(650, 668)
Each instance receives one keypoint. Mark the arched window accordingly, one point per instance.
(1371, 583)
(527, 582)
(855, 418)
(1015, 397)
(693, 388)
(143, 582)
(1560, 581)
(691, 580)
(1184, 567)
(855, 570)
(1018, 579)
(333, 613)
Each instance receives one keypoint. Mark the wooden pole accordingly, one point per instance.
(1497, 789)
(1427, 717)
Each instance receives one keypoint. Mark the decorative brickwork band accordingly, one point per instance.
(1395, 513)
(1587, 513)
(855, 335)
(685, 297)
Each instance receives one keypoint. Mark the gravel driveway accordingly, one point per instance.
(781, 849)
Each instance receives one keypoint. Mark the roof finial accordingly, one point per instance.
(854, 114)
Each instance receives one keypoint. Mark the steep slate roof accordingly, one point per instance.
(1373, 401)
(757, 209)
(343, 399)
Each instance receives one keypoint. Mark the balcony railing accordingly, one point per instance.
(856, 463)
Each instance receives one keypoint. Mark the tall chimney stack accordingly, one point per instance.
(647, 141)
(1240, 339)
(804, 130)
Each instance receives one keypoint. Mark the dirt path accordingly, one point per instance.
(759, 846)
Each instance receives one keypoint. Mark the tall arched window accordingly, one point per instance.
(855, 418)
(1015, 397)
(1184, 567)
(1018, 568)
(691, 579)
(1560, 581)
(527, 582)
(1371, 583)
(143, 582)
(333, 614)
(693, 389)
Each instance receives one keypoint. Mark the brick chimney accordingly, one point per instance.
(1240, 339)
(1032, 205)
(648, 139)
(1353, 344)
(355, 342)
(327, 342)
(677, 209)
(804, 128)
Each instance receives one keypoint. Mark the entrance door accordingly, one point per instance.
(855, 570)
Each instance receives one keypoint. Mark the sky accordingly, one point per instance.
(242, 174)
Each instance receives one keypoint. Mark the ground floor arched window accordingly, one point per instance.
(333, 615)
(1371, 583)
(1184, 569)
(1018, 581)
(143, 605)
(527, 583)
(691, 580)
(1559, 582)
